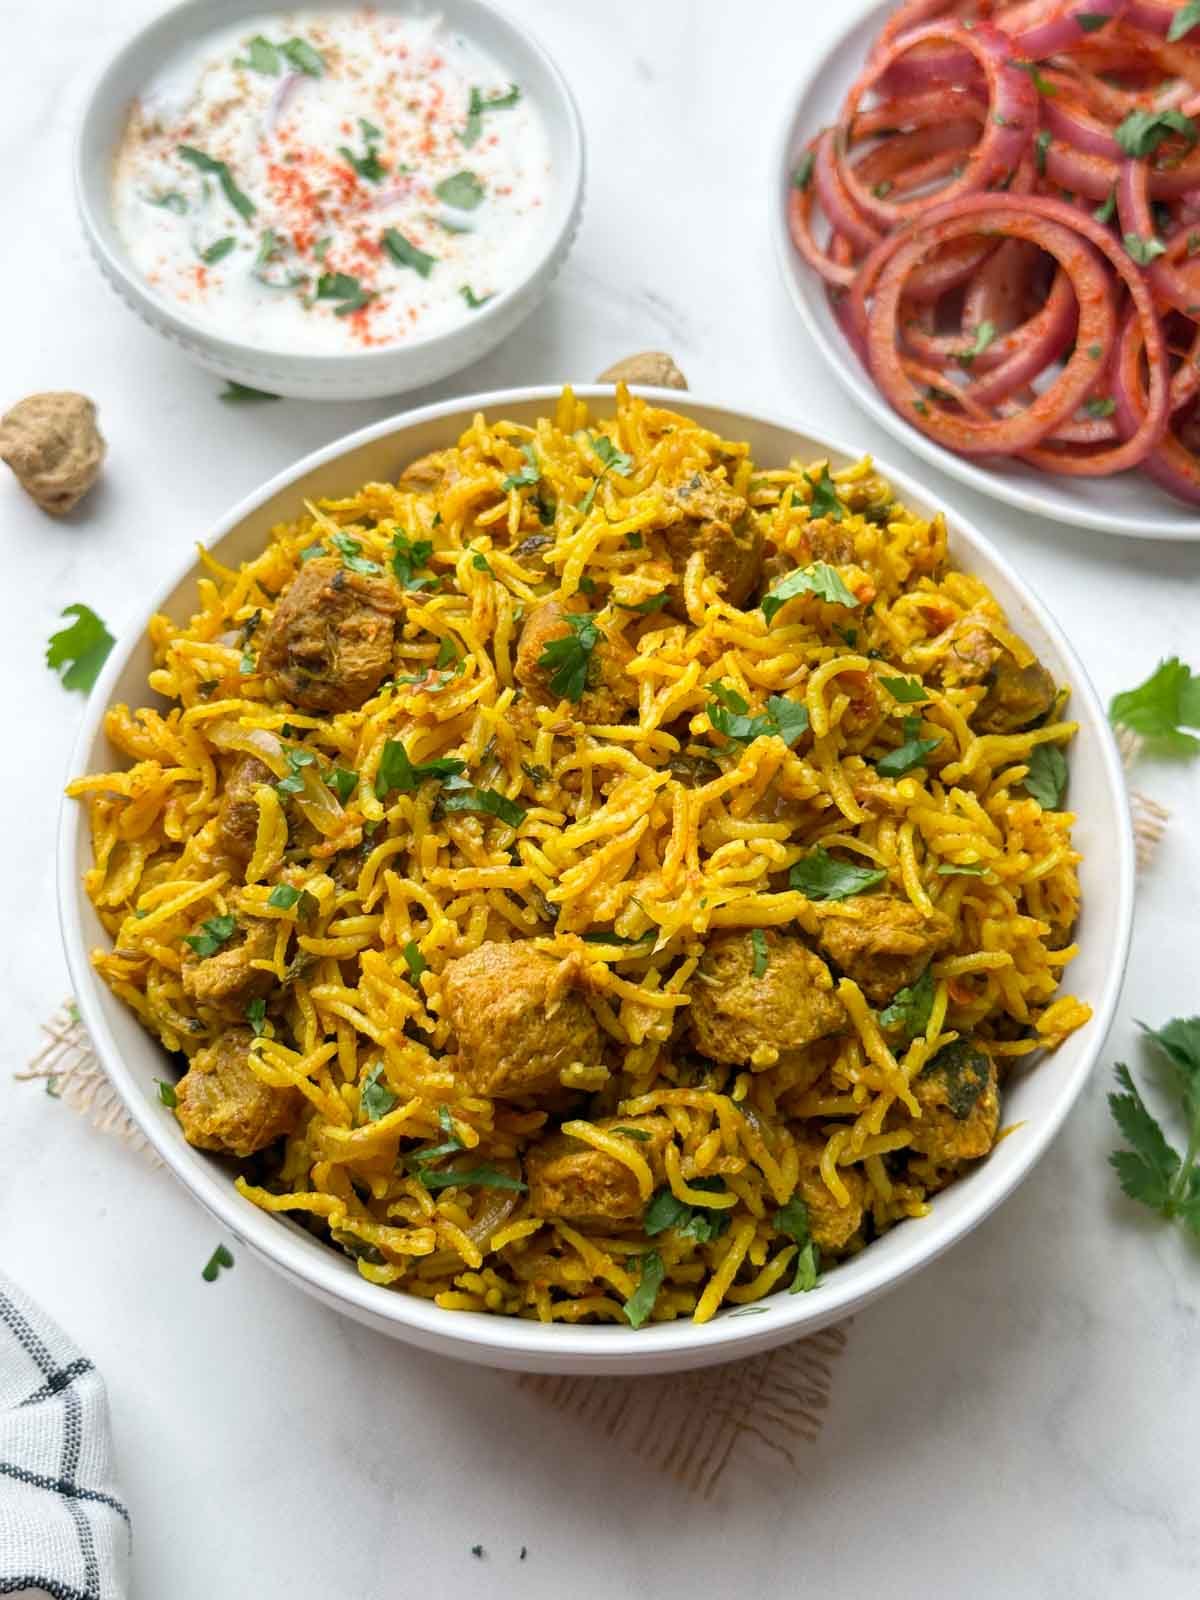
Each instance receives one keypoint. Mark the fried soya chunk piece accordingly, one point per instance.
(570, 1179)
(1016, 696)
(959, 1097)
(610, 691)
(330, 640)
(237, 819)
(226, 981)
(881, 941)
(222, 1105)
(825, 540)
(427, 473)
(519, 1019)
(831, 1225)
(753, 1020)
(705, 514)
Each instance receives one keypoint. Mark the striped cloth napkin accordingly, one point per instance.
(63, 1528)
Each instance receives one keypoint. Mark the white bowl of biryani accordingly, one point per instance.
(336, 202)
(619, 981)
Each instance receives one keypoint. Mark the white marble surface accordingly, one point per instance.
(1021, 1419)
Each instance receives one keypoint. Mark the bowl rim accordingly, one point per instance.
(845, 367)
(560, 1346)
(192, 329)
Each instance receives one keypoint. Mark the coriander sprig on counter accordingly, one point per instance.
(1152, 1170)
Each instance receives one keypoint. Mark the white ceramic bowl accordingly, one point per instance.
(1129, 503)
(1038, 1100)
(355, 375)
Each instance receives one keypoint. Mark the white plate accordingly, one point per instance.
(1129, 503)
(1037, 1101)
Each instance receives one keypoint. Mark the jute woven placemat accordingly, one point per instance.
(691, 1426)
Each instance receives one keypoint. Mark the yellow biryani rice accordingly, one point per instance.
(755, 761)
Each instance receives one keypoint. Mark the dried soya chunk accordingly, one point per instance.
(52, 443)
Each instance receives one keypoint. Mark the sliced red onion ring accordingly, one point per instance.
(1176, 287)
(1171, 463)
(1062, 31)
(277, 105)
(1008, 130)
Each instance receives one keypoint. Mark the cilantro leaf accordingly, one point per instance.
(484, 1177)
(405, 254)
(910, 1008)
(702, 1223)
(908, 691)
(647, 608)
(414, 960)
(650, 1280)
(462, 190)
(529, 474)
(368, 166)
(218, 251)
(762, 956)
(284, 897)
(410, 556)
(802, 176)
(82, 647)
(569, 659)
(1148, 1171)
(171, 201)
(1046, 779)
(474, 301)
(1142, 132)
(1160, 708)
(1184, 20)
(985, 335)
(344, 287)
(1041, 147)
(792, 1221)
(397, 771)
(214, 933)
(783, 718)
(350, 551)
(1142, 250)
(1180, 1042)
(256, 1016)
(375, 1099)
(1093, 21)
(166, 1094)
(343, 782)
(821, 876)
(459, 795)
(297, 760)
(303, 57)
(221, 1257)
(203, 162)
(262, 56)
(911, 754)
(819, 579)
(825, 502)
(242, 394)
(477, 106)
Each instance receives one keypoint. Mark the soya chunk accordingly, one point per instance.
(221, 1105)
(237, 819)
(610, 691)
(518, 1019)
(571, 1180)
(330, 640)
(227, 981)
(1016, 696)
(832, 1225)
(705, 514)
(751, 1020)
(960, 1104)
(882, 942)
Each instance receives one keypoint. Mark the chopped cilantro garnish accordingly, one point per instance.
(409, 557)
(343, 782)
(908, 691)
(221, 1257)
(460, 795)
(414, 960)
(82, 647)
(262, 56)
(1142, 132)
(1184, 20)
(477, 106)
(985, 335)
(1144, 251)
(911, 753)
(484, 1177)
(528, 475)
(825, 502)
(344, 287)
(1046, 779)
(650, 1280)
(396, 771)
(218, 251)
(203, 162)
(792, 1220)
(462, 190)
(213, 934)
(1041, 145)
(375, 1099)
(614, 461)
(303, 57)
(702, 1223)
(911, 1007)
(762, 956)
(256, 1016)
(819, 579)
(166, 1094)
(474, 301)
(821, 876)
(297, 760)
(353, 560)
(405, 254)
(1107, 211)
(783, 718)
(284, 897)
(568, 659)
(802, 176)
